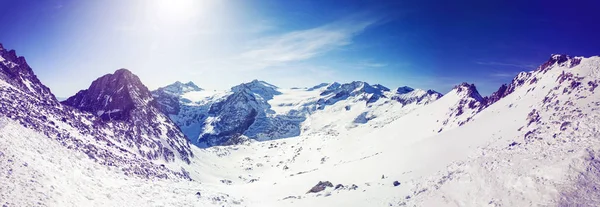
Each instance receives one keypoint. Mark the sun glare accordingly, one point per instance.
(177, 10)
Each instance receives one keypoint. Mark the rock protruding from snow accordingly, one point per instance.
(467, 90)
(320, 187)
(505, 90)
(407, 95)
(557, 60)
(404, 90)
(465, 102)
(15, 71)
(531, 77)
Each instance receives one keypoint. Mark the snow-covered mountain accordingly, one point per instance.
(123, 102)
(534, 142)
(261, 111)
(168, 97)
(25, 100)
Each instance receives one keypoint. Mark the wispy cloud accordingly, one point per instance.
(503, 75)
(516, 65)
(304, 44)
(372, 64)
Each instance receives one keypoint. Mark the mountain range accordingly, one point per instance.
(532, 142)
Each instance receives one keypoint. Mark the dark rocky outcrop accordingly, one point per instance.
(320, 187)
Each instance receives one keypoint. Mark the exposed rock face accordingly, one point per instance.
(112, 96)
(469, 90)
(123, 100)
(560, 61)
(407, 95)
(404, 90)
(320, 187)
(526, 77)
(168, 97)
(27, 101)
(470, 98)
(468, 103)
(15, 71)
(369, 93)
(244, 112)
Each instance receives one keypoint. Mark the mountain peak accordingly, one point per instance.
(371, 93)
(178, 88)
(122, 72)
(15, 71)
(112, 96)
(468, 90)
(317, 86)
(260, 83)
(404, 89)
(408, 95)
(257, 87)
(559, 60)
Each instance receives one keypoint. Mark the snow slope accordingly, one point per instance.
(37, 171)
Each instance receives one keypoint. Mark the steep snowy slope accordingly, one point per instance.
(545, 151)
(37, 171)
(24, 99)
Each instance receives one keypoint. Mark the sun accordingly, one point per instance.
(177, 10)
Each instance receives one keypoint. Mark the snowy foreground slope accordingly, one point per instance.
(532, 143)
(37, 171)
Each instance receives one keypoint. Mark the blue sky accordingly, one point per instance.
(219, 43)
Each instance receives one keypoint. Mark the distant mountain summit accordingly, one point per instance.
(179, 88)
(263, 89)
(121, 98)
(407, 95)
(112, 96)
(467, 90)
(336, 92)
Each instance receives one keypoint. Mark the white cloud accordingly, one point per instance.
(503, 75)
(371, 64)
(525, 66)
(303, 44)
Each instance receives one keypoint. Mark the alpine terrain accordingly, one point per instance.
(533, 142)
